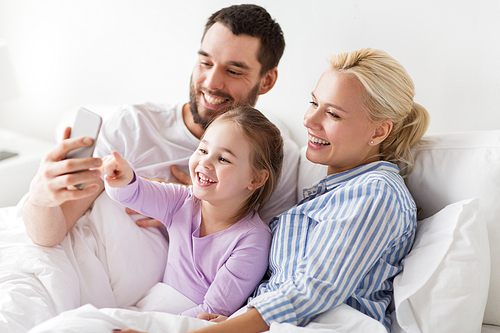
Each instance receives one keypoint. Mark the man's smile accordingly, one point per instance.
(214, 102)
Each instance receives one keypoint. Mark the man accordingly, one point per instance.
(237, 62)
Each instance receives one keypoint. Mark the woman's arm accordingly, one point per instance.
(249, 322)
(343, 246)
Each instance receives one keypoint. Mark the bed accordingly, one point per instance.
(92, 281)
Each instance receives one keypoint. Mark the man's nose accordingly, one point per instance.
(215, 79)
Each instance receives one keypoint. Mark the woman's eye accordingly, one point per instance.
(313, 103)
(333, 115)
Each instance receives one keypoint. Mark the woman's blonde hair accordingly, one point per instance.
(390, 93)
(267, 151)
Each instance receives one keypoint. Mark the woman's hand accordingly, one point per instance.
(118, 171)
(214, 318)
(248, 322)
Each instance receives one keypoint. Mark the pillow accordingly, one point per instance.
(455, 166)
(444, 283)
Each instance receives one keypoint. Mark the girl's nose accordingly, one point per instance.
(206, 162)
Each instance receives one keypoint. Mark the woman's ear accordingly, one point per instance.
(268, 81)
(382, 131)
(259, 180)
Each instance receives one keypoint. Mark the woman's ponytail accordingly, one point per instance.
(397, 146)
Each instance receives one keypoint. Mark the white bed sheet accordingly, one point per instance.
(88, 318)
(96, 276)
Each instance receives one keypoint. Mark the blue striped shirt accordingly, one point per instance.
(343, 243)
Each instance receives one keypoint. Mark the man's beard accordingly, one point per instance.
(211, 114)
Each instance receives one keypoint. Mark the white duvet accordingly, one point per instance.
(93, 280)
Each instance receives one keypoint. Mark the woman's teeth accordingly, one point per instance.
(317, 141)
(214, 101)
(205, 180)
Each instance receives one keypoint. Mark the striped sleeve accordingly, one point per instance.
(352, 230)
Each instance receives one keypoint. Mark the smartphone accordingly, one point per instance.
(87, 123)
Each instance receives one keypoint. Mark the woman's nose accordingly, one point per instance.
(311, 118)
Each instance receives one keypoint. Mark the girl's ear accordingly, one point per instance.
(259, 180)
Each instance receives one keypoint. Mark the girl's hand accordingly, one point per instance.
(118, 171)
(214, 318)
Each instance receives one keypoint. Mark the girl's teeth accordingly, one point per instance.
(205, 180)
(215, 101)
(318, 141)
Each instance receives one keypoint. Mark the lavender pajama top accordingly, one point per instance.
(219, 271)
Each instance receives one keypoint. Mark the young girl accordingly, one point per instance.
(219, 246)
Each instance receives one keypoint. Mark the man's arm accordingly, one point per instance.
(52, 209)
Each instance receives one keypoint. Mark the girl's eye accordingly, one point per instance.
(203, 151)
(222, 159)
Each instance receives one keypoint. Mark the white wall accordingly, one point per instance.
(69, 53)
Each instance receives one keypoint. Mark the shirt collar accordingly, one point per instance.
(331, 181)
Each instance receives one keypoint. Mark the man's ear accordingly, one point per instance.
(382, 131)
(258, 180)
(268, 81)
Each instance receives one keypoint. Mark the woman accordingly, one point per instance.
(344, 242)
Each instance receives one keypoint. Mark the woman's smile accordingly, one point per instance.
(317, 141)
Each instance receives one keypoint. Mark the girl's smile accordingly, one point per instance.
(203, 180)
